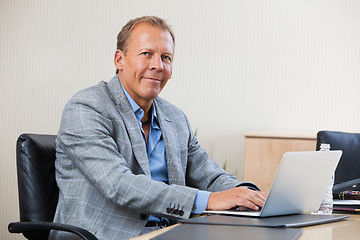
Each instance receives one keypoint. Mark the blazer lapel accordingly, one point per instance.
(174, 167)
(137, 142)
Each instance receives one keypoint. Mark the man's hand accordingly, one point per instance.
(239, 196)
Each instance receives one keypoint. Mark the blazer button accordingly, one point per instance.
(168, 210)
(181, 212)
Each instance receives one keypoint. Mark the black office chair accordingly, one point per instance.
(38, 192)
(347, 173)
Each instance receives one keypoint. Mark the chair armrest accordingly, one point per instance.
(21, 227)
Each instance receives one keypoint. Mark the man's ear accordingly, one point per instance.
(118, 59)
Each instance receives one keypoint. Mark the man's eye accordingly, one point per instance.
(145, 53)
(167, 58)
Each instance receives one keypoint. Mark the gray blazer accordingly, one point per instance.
(102, 168)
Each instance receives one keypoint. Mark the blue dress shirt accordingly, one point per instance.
(157, 157)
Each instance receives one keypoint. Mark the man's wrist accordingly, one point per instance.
(201, 201)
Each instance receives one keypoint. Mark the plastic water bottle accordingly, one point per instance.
(326, 206)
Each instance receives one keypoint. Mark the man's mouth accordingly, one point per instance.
(152, 79)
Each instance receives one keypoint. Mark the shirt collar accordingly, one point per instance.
(139, 113)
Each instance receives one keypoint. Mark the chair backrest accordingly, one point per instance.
(38, 192)
(349, 165)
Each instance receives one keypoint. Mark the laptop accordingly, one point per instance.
(299, 184)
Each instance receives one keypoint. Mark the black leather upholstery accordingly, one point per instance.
(348, 168)
(38, 192)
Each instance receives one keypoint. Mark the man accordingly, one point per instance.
(127, 160)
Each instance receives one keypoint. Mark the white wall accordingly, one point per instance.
(256, 65)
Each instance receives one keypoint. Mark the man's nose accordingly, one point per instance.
(156, 63)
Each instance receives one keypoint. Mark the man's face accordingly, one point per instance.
(147, 65)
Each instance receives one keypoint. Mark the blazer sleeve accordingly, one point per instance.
(87, 149)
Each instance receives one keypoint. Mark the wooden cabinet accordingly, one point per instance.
(263, 153)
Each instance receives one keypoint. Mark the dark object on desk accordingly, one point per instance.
(346, 209)
(38, 192)
(216, 232)
(348, 195)
(296, 220)
(347, 190)
(348, 205)
(347, 173)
